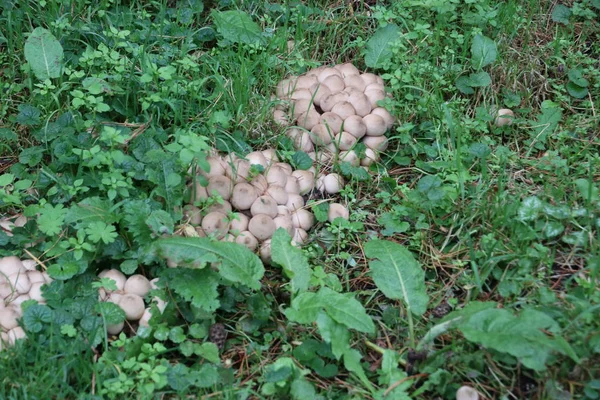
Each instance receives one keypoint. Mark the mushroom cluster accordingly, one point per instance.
(129, 296)
(19, 281)
(259, 195)
(330, 109)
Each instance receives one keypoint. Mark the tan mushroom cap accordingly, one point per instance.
(261, 226)
(375, 125)
(244, 194)
(247, 239)
(222, 185)
(355, 126)
(335, 83)
(309, 119)
(336, 210)
(332, 121)
(216, 223)
(328, 102)
(301, 94)
(344, 141)
(327, 72)
(319, 91)
(361, 103)
(347, 69)
(355, 81)
(344, 109)
(264, 205)
(385, 114)
(378, 143)
(321, 135)
(375, 95)
(504, 117)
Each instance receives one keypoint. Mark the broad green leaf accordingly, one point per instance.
(378, 48)
(463, 85)
(235, 262)
(28, 115)
(545, 125)
(208, 351)
(334, 333)
(523, 336)
(237, 27)
(352, 363)
(483, 52)
(346, 310)
(44, 54)
(301, 389)
(480, 79)
(530, 208)
(576, 76)
(291, 259)
(561, 14)
(51, 219)
(398, 274)
(304, 308)
(577, 91)
(390, 373)
(587, 189)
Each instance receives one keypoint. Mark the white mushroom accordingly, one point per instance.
(337, 210)
(133, 305)
(261, 226)
(239, 223)
(303, 219)
(137, 284)
(116, 275)
(264, 205)
(378, 143)
(244, 194)
(247, 239)
(467, 393)
(504, 117)
(221, 185)
(216, 223)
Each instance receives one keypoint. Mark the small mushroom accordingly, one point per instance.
(375, 125)
(385, 114)
(305, 179)
(369, 78)
(377, 143)
(246, 238)
(11, 265)
(285, 222)
(375, 95)
(239, 223)
(8, 318)
(276, 176)
(221, 185)
(295, 201)
(137, 284)
(260, 184)
(332, 183)
(222, 207)
(257, 158)
(299, 237)
(332, 121)
(303, 219)
(361, 103)
(349, 157)
(347, 69)
(321, 135)
(319, 91)
(192, 214)
(309, 119)
(371, 156)
(344, 141)
(265, 251)
(117, 276)
(355, 126)
(15, 334)
(280, 117)
(327, 72)
(328, 102)
(278, 194)
(133, 305)
(115, 329)
(504, 117)
(336, 210)
(261, 226)
(215, 223)
(216, 167)
(343, 110)
(264, 205)
(467, 393)
(270, 156)
(244, 194)
(335, 83)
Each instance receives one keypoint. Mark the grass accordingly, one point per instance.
(508, 215)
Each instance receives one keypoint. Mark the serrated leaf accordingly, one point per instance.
(28, 115)
(235, 262)
(44, 54)
(208, 351)
(398, 274)
(561, 14)
(291, 259)
(483, 52)
(198, 286)
(378, 49)
(51, 219)
(237, 27)
(112, 313)
(301, 160)
(35, 316)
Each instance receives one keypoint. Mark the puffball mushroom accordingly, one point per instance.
(116, 276)
(239, 223)
(11, 265)
(336, 210)
(257, 158)
(305, 179)
(246, 238)
(20, 282)
(332, 121)
(375, 125)
(216, 167)
(303, 219)
(137, 284)
(377, 143)
(467, 393)
(504, 117)
(332, 183)
(16, 334)
(133, 305)
(321, 134)
(300, 236)
(264, 205)
(285, 222)
(244, 194)
(355, 126)
(261, 226)
(115, 329)
(224, 207)
(276, 176)
(30, 265)
(215, 223)
(295, 201)
(265, 251)
(8, 318)
(385, 114)
(371, 156)
(278, 194)
(222, 185)
(270, 156)
(35, 292)
(192, 214)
